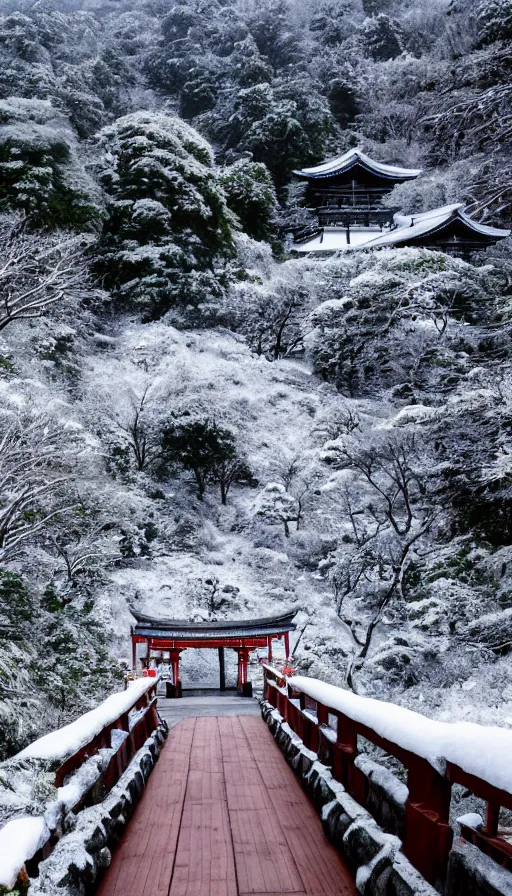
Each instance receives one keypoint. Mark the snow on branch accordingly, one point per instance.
(37, 270)
(33, 471)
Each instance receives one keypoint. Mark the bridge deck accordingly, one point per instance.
(223, 815)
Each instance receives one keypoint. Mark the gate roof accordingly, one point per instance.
(181, 630)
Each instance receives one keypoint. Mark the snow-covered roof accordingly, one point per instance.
(409, 227)
(408, 220)
(430, 223)
(180, 628)
(355, 157)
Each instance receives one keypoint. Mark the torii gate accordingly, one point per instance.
(175, 635)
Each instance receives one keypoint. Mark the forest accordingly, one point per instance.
(198, 424)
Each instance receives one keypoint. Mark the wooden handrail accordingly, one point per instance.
(428, 835)
(118, 762)
(104, 737)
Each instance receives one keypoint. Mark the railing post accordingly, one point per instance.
(344, 752)
(428, 836)
(322, 714)
(492, 819)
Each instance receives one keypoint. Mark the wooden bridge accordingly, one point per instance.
(224, 815)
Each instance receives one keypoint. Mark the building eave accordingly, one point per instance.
(344, 163)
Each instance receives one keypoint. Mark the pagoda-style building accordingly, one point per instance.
(348, 190)
(346, 196)
(163, 640)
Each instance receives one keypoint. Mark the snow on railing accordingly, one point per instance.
(65, 741)
(480, 750)
(435, 754)
(20, 839)
(67, 750)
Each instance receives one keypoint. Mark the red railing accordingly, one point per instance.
(121, 758)
(428, 836)
(136, 735)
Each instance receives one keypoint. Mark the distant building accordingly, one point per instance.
(346, 196)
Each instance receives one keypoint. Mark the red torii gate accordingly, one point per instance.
(174, 635)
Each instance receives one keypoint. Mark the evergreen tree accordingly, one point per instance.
(206, 450)
(168, 222)
(41, 174)
(494, 20)
(250, 194)
(383, 37)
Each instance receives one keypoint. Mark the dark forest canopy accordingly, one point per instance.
(282, 83)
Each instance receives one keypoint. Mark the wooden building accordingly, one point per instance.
(447, 229)
(346, 196)
(348, 190)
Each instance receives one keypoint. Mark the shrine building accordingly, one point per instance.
(346, 193)
(166, 639)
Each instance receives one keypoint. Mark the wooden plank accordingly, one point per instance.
(204, 860)
(321, 868)
(205, 863)
(223, 815)
(143, 861)
(264, 861)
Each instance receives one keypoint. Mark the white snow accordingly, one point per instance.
(352, 157)
(19, 841)
(429, 222)
(65, 741)
(334, 239)
(408, 220)
(480, 750)
(471, 820)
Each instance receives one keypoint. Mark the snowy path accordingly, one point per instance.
(174, 711)
(224, 815)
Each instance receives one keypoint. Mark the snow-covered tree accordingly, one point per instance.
(382, 37)
(251, 195)
(208, 451)
(268, 312)
(168, 223)
(401, 322)
(494, 20)
(41, 174)
(34, 468)
(38, 271)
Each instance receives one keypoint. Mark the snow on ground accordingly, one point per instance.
(210, 560)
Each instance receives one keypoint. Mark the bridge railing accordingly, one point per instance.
(436, 755)
(132, 714)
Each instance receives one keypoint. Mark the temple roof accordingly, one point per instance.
(150, 627)
(353, 157)
(409, 227)
(428, 223)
